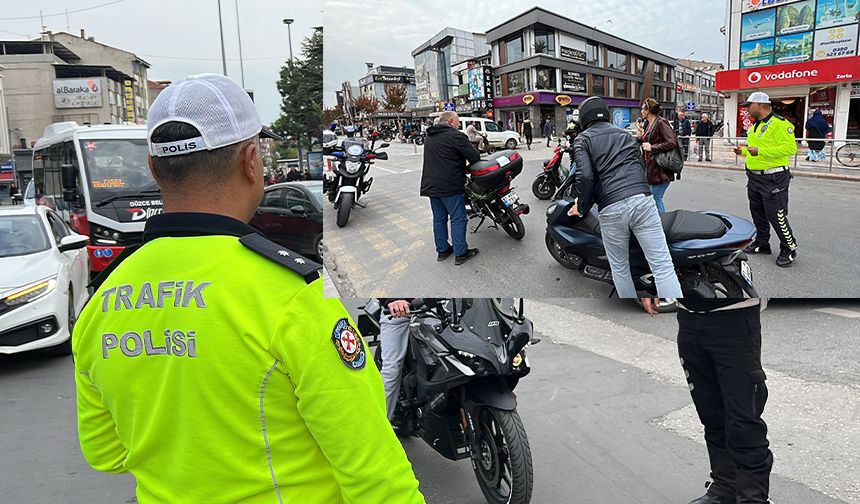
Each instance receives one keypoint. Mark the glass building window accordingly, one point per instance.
(544, 42)
(616, 60)
(597, 85)
(514, 49)
(658, 71)
(640, 66)
(620, 88)
(592, 54)
(516, 83)
(545, 78)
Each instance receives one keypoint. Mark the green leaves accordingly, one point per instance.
(300, 85)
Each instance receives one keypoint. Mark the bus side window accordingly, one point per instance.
(71, 157)
(53, 183)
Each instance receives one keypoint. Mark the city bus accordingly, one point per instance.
(98, 179)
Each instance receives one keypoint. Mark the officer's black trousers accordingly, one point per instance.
(721, 356)
(768, 195)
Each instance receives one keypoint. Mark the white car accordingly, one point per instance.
(44, 270)
(499, 139)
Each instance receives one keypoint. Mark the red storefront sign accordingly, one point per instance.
(794, 74)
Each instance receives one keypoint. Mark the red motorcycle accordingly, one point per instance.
(554, 171)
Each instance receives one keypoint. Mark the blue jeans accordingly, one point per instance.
(455, 207)
(393, 337)
(658, 191)
(637, 214)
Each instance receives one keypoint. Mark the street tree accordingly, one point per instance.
(368, 104)
(395, 98)
(300, 85)
(331, 114)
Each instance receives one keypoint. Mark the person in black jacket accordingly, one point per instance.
(446, 153)
(704, 132)
(683, 130)
(610, 172)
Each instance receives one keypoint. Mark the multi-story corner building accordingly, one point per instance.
(695, 89)
(545, 65)
(379, 78)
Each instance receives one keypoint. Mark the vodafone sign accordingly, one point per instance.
(795, 74)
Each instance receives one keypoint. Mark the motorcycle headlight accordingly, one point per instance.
(518, 359)
(353, 166)
(30, 292)
(550, 209)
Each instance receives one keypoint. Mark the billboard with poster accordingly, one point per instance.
(754, 5)
(620, 116)
(836, 12)
(835, 42)
(757, 25)
(793, 48)
(795, 18)
(757, 53)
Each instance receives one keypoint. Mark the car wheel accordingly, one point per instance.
(65, 348)
(319, 247)
(511, 144)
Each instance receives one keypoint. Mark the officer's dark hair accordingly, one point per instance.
(652, 105)
(202, 167)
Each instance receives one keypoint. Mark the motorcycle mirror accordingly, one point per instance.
(384, 145)
(522, 309)
(382, 155)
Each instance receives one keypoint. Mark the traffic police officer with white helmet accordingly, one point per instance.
(208, 364)
(770, 145)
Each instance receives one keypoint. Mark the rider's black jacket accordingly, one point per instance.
(608, 166)
(446, 154)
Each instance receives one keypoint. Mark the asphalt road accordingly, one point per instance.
(607, 412)
(387, 248)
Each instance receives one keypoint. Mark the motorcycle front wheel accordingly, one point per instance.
(543, 188)
(558, 254)
(346, 201)
(503, 462)
(513, 223)
(419, 140)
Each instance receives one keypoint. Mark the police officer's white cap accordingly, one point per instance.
(214, 104)
(757, 97)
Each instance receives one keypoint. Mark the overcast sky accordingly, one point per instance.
(385, 32)
(180, 37)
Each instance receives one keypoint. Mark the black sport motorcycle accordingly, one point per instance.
(463, 360)
(706, 248)
(489, 194)
(346, 184)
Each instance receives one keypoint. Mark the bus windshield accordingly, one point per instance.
(117, 168)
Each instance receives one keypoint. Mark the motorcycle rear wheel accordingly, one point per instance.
(503, 464)
(728, 285)
(543, 188)
(513, 223)
(346, 201)
(558, 254)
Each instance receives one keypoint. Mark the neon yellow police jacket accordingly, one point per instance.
(211, 370)
(774, 137)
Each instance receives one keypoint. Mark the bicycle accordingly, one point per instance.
(849, 155)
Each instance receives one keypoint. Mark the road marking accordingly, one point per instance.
(385, 169)
(840, 312)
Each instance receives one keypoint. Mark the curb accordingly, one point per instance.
(797, 173)
(337, 282)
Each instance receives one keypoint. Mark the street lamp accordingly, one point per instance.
(288, 22)
(239, 33)
(221, 30)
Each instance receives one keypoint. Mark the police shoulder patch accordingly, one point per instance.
(349, 346)
(308, 269)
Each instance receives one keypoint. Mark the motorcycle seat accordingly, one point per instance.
(589, 224)
(545, 163)
(681, 225)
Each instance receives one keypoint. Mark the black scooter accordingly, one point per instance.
(706, 248)
(464, 359)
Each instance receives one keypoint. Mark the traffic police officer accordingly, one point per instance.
(719, 342)
(208, 364)
(770, 145)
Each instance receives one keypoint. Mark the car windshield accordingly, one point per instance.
(30, 193)
(22, 235)
(117, 168)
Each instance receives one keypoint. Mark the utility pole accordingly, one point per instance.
(288, 22)
(239, 32)
(221, 30)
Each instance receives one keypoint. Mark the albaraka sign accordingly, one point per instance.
(794, 74)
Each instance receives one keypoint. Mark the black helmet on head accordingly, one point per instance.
(591, 110)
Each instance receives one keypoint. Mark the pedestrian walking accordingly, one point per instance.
(609, 172)
(704, 134)
(719, 343)
(771, 144)
(817, 127)
(208, 364)
(447, 152)
(657, 138)
(526, 130)
(293, 175)
(548, 129)
(683, 129)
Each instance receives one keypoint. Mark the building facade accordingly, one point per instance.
(695, 89)
(5, 130)
(435, 81)
(379, 78)
(802, 53)
(545, 65)
(474, 92)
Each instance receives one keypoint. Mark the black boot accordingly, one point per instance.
(710, 498)
(758, 248)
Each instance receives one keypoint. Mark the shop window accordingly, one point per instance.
(545, 78)
(544, 42)
(516, 83)
(597, 85)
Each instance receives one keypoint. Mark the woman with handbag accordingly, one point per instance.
(657, 138)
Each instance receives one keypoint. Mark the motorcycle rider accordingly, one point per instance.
(475, 137)
(610, 173)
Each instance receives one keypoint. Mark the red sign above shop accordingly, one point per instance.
(794, 74)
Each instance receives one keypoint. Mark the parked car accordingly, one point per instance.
(291, 215)
(499, 139)
(30, 194)
(44, 270)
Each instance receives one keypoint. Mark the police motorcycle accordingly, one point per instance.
(345, 185)
(463, 360)
(706, 248)
(489, 194)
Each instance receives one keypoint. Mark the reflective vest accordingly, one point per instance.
(776, 144)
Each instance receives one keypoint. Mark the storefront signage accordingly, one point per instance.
(394, 79)
(757, 53)
(563, 100)
(795, 18)
(793, 48)
(129, 101)
(620, 116)
(758, 25)
(835, 13)
(573, 54)
(78, 93)
(572, 82)
(528, 99)
(751, 5)
(796, 74)
(835, 42)
(480, 83)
